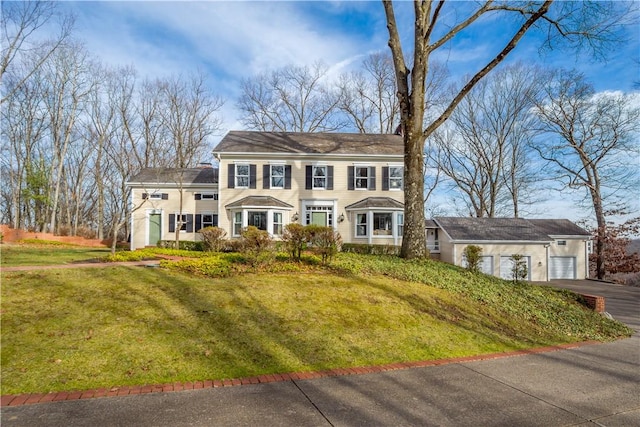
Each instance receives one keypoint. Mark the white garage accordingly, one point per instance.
(562, 267)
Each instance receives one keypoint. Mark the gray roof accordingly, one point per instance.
(559, 227)
(203, 175)
(262, 201)
(429, 223)
(310, 143)
(491, 229)
(376, 202)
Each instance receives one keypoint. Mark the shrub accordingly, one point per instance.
(473, 254)
(326, 242)
(256, 245)
(519, 269)
(295, 239)
(213, 238)
(366, 249)
(185, 245)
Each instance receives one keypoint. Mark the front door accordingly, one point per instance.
(155, 229)
(319, 218)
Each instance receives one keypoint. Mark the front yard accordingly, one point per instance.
(101, 327)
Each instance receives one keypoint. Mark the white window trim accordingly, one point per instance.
(320, 202)
(244, 213)
(184, 224)
(355, 177)
(370, 236)
(401, 178)
(284, 173)
(155, 196)
(313, 176)
(202, 214)
(248, 175)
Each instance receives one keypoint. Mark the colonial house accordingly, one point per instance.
(350, 182)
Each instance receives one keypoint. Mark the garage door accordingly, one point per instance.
(486, 264)
(562, 267)
(506, 267)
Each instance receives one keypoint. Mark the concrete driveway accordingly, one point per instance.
(622, 302)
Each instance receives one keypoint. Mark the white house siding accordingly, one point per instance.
(171, 205)
(339, 197)
(453, 253)
(574, 247)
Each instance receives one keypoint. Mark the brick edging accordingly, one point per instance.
(32, 398)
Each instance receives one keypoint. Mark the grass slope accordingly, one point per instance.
(89, 328)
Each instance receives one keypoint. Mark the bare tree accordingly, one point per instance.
(590, 143)
(574, 22)
(291, 99)
(483, 150)
(24, 172)
(190, 117)
(368, 96)
(20, 22)
(66, 74)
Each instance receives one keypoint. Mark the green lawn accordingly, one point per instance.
(12, 255)
(88, 328)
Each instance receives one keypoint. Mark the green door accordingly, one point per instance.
(319, 218)
(154, 229)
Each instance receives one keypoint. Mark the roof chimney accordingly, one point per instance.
(205, 165)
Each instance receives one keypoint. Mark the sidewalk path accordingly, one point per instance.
(591, 385)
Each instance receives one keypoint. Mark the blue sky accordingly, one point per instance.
(233, 40)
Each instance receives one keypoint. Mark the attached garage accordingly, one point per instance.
(562, 267)
(506, 267)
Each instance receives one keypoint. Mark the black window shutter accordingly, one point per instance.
(252, 176)
(350, 173)
(287, 177)
(385, 178)
(198, 222)
(198, 196)
(372, 178)
(231, 182)
(172, 223)
(329, 177)
(189, 223)
(145, 196)
(266, 175)
(165, 196)
(308, 177)
(215, 220)
(215, 196)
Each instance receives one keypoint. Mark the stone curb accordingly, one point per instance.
(33, 398)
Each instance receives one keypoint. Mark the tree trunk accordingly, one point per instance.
(414, 242)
